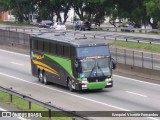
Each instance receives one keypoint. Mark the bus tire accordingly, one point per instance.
(40, 76)
(45, 79)
(69, 84)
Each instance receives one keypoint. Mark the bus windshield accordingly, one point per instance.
(96, 67)
(93, 51)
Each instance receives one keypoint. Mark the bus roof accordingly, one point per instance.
(70, 39)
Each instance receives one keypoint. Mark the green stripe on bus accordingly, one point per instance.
(63, 62)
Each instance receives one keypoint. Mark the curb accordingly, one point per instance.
(138, 71)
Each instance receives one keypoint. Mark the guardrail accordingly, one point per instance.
(136, 58)
(51, 108)
(124, 29)
(106, 36)
(27, 29)
(101, 35)
(105, 28)
(120, 29)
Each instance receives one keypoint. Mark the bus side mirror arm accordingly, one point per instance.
(113, 63)
(77, 66)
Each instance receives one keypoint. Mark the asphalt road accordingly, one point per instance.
(126, 95)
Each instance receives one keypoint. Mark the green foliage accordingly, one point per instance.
(153, 9)
(137, 11)
(136, 45)
(22, 104)
(4, 96)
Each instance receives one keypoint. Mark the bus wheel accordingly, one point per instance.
(40, 76)
(70, 86)
(45, 79)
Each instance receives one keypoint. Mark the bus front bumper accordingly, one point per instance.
(94, 85)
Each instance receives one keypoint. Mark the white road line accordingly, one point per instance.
(1, 109)
(136, 94)
(17, 63)
(14, 53)
(119, 108)
(137, 80)
(157, 67)
(98, 102)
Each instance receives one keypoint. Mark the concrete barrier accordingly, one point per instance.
(138, 71)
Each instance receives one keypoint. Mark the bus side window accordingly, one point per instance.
(34, 44)
(40, 45)
(52, 48)
(66, 51)
(46, 46)
(59, 49)
(72, 51)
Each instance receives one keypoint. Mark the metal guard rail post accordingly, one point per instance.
(47, 105)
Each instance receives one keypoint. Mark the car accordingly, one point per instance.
(127, 28)
(59, 26)
(80, 25)
(45, 24)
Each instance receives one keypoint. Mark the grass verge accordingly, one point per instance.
(140, 46)
(23, 105)
(16, 23)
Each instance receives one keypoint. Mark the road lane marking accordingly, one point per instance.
(157, 67)
(94, 101)
(14, 53)
(119, 108)
(1, 109)
(136, 94)
(137, 80)
(17, 63)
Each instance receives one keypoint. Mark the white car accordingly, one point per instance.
(59, 26)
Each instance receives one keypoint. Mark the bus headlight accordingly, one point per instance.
(108, 79)
(84, 81)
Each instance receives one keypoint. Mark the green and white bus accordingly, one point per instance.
(77, 63)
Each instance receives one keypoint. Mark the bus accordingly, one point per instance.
(77, 63)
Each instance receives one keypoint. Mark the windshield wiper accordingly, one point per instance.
(95, 67)
(92, 71)
(100, 69)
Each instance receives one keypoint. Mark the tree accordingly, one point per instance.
(65, 9)
(138, 12)
(95, 9)
(153, 10)
(59, 7)
(133, 10)
(43, 9)
(19, 8)
(78, 6)
(4, 5)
